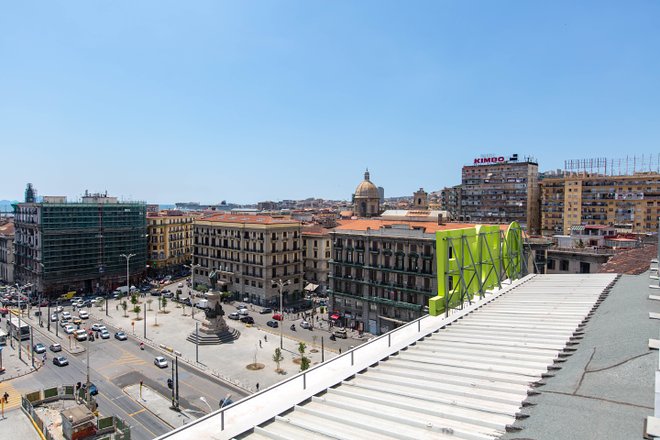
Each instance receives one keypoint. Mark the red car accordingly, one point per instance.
(277, 317)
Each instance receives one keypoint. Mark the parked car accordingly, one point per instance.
(243, 312)
(247, 320)
(83, 314)
(39, 348)
(233, 315)
(66, 315)
(81, 335)
(272, 323)
(160, 362)
(65, 322)
(266, 310)
(59, 309)
(180, 285)
(55, 348)
(60, 361)
(121, 336)
(155, 293)
(53, 317)
(305, 324)
(98, 327)
(76, 321)
(105, 334)
(69, 329)
(277, 317)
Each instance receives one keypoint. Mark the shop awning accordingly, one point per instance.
(335, 316)
(311, 287)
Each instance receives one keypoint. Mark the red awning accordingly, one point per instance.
(335, 316)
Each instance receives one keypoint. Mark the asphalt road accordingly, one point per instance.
(116, 364)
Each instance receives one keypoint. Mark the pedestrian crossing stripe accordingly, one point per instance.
(14, 396)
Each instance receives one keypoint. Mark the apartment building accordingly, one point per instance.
(630, 203)
(316, 255)
(62, 246)
(382, 273)
(500, 190)
(170, 239)
(246, 253)
(450, 201)
(7, 252)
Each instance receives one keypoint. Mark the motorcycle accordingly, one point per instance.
(141, 345)
(293, 327)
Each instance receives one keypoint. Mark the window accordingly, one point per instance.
(563, 265)
(585, 267)
(551, 264)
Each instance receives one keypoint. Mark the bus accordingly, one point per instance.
(21, 332)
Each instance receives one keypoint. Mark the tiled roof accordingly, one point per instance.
(375, 224)
(315, 230)
(249, 219)
(632, 261)
(7, 229)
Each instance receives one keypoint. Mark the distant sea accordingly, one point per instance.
(167, 207)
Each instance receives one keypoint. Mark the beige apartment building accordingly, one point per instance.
(7, 252)
(316, 255)
(170, 239)
(629, 203)
(246, 252)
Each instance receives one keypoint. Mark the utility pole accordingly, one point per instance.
(173, 405)
(322, 351)
(88, 383)
(145, 323)
(32, 345)
(281, 285)
(176, 361)
(48, 315)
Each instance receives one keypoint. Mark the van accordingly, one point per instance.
(203, 304)
(340, 333)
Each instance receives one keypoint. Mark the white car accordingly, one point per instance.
(81, 334)
(83, 314)
(160, 362)
(305, 324)
(243, 312)
(66, 315)
(69, 329)
(98, 327)
(233, 315)
(105, 334)
(59, 309)
(53, 317)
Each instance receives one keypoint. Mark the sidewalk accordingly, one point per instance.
(17, 425)
(226, 361)
(160, 406)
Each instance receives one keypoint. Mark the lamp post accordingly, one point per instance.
(128, 284)
(20, 312)
(281, 285)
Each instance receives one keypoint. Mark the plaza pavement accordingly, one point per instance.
(226, 361)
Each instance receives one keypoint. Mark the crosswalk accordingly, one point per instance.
(14, 396)
(125, 359)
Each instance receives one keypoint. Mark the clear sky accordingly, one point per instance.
(169, 101)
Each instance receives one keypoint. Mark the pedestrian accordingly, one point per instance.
(257, 386)
(266, 338)
(339, 350)
(260, 344)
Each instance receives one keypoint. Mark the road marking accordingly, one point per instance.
(14, 396)
(136, 420)
(137, 412)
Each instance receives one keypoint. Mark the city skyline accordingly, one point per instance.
(249, 102)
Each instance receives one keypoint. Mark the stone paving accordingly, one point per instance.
(227, 361)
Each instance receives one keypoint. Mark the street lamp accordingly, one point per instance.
(20, 312)
(128, 286)
(281, 285)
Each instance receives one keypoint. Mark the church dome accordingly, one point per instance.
(366, 189)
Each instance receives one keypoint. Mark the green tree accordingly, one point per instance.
(137, 310)
(301, 348)
(149, 301)
(124, 307)
(277, 358)
(304, 363)
(134, 299)
(163, 302)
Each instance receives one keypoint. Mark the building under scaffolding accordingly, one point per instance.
(62, 246)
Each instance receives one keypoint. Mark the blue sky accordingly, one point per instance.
(244, 101)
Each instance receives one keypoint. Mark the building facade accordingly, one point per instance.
(450, 201)
(497, 190)
(366, 200)
(382, 273)
(316, 255)
(7, 252)
(62, 246)
(628, 203)
(246, 253)
(170, 239)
